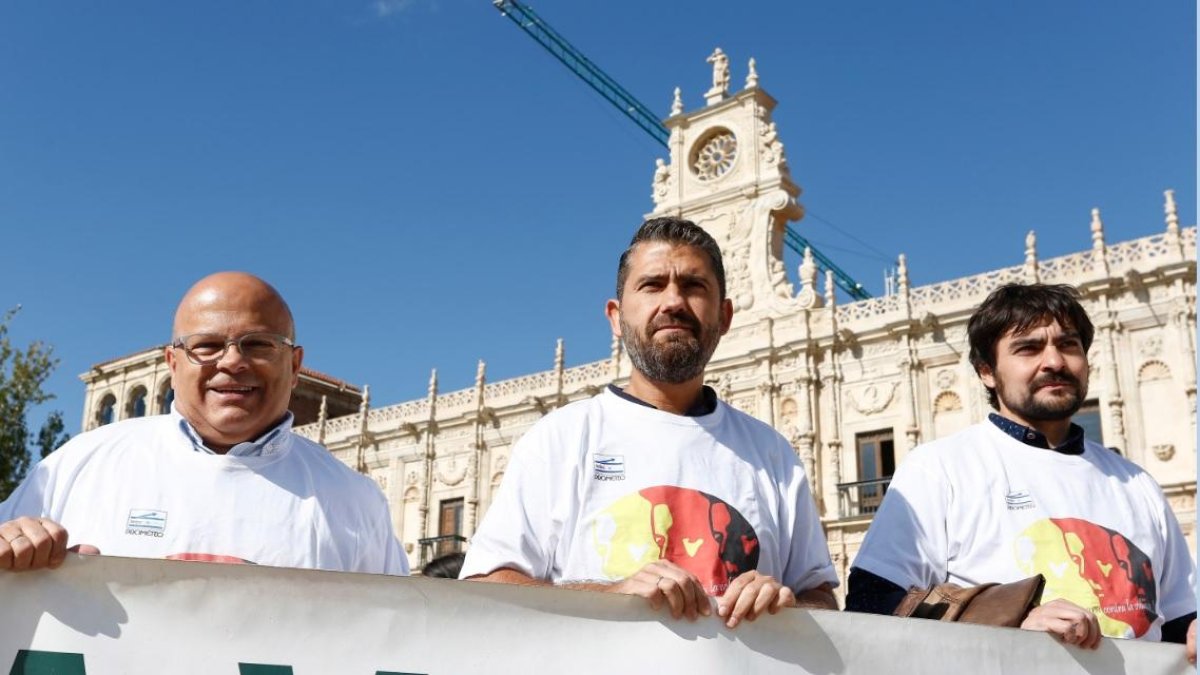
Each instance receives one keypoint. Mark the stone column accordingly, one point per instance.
(1112, 382)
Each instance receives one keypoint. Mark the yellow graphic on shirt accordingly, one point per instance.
(694, 530)
(1093, 567)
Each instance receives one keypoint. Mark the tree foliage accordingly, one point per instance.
(23, 372)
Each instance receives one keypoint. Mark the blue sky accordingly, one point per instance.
(428, 187)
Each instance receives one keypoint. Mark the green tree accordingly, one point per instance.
(23, 372)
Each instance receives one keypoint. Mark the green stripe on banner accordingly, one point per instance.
(263, 669)
(32, 662)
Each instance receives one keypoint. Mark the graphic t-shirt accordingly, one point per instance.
(138, 488)
(980, 506)
(603, 487)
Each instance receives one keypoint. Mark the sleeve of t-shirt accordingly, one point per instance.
(907, 540)
(34, 496)
(517, 531)
(808, 563)
(1178, 580)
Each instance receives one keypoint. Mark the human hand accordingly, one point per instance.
(29, 543)
(1191, 643)
(750, 595)
(1068, 622)
(665, 582)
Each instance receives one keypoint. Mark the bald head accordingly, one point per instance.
(245, 391)
(226, 292)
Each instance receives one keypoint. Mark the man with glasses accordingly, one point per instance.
(222, 477)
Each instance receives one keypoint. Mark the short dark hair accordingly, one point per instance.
(1017, 308)
(675, 231)
(445, 567)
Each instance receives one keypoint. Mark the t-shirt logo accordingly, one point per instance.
(608, 467)
(1018, 500)
(146, 522)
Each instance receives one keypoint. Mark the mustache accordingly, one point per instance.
(684, 320)
(1055, 378)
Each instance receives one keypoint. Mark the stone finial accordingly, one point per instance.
(752, 74)
(480, 374)
(1031, 262)
(677, 103)
(902, 274)
(322, 418)
(433, 384)
(1098, 249)
(720, 77)
(365, 404)
(830, 295)
(559, 355)
(1097, 230)
(808, 269)
(1172, 213)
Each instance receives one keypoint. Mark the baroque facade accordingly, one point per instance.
(853, 385)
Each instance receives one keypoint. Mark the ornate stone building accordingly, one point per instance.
(853, 386)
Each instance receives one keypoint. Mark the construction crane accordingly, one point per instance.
(534, 26)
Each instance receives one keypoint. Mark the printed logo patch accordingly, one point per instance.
(1019, 500)
(146, 522)
(608, 467)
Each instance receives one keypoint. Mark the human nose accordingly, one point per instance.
(233, 358)
(1052, 358)
(672, 297)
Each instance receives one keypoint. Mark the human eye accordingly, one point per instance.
(258, 343)
(204, 345)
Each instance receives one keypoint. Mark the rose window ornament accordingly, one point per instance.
(715, 156)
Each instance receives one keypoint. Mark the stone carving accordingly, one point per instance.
(677, 103)
(715, 155)
(945, 379)
(873, 397)
(772, 146)
(454, 477)
(1150, 346)
(500, 463)
(1164, 451)
(1153, 370)
(720, 76)
(752, 74)
(410, 478)
(737, 269)
(662, 181)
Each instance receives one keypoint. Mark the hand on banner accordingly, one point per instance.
(663, 581)
(750, 595)
(35, 543)
(1066, 621)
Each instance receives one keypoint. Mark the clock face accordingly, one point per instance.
(714, 155)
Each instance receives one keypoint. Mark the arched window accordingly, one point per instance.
(107, 412)
(166, 395)
(137, 403)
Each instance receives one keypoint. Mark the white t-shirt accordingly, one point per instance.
(602, 487)
(138, 488)
(980, 506)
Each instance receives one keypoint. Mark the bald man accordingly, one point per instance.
(222, 477)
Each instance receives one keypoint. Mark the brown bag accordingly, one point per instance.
(988, 604)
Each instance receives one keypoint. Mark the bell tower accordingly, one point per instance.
(728, 174)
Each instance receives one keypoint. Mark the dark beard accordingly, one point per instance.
(1047, 411)
(677, 360)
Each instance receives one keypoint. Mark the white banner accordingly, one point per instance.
(100, 615)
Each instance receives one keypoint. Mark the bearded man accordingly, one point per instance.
(659, 489)
(1025, 493)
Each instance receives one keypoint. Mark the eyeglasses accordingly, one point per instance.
(205, 349)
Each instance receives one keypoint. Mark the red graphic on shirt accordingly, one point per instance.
(697, 531)
(1126, 592)
(210, 557)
